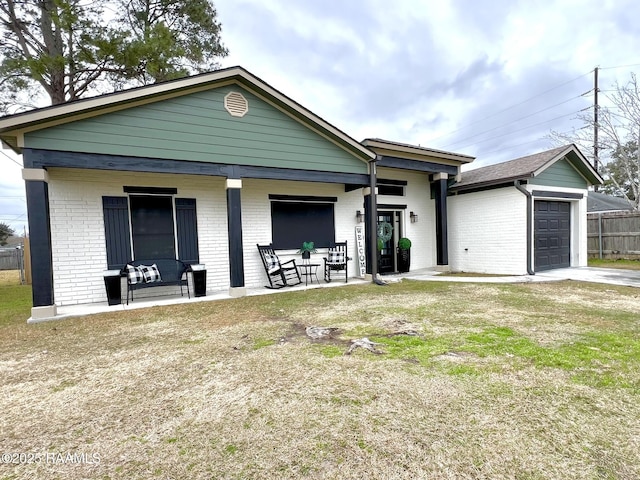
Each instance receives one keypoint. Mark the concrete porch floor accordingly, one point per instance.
(80, 310)
(584, 274)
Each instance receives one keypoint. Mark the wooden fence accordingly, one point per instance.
(11, 258)
(613, 235)
(17, 259)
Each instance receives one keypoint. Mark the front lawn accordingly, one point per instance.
(526, 381)
(15, 299)
(620, 263)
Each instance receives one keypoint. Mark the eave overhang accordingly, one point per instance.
(390, 149)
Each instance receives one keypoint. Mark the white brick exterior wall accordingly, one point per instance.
(256, 221)
(78, 239)
(488, 232)
(77, 229)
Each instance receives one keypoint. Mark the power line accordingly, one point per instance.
(620, 66)
(520, 129)
(12, 218)
(509, 147)
(514, 121)
(14, 161)
(510, 107)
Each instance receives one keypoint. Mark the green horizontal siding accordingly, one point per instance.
(197, 127)
(560, 174)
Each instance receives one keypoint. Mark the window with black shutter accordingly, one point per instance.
(143, 227)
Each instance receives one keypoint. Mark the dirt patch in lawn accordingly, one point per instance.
(9, 277)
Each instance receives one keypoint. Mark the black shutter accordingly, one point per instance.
(116, 231)
(187, 230)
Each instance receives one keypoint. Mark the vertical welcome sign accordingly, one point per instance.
(362, 258)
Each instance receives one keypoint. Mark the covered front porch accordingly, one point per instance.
(87, 309)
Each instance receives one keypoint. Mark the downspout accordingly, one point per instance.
(529, 224)
(373, 219)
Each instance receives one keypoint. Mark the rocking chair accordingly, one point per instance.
(280, 274)
(336, 261)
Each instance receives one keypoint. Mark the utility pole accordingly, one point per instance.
(595, 122)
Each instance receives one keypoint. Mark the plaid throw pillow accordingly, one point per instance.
(134, 274)
(150, 273)
(273, 263)
(336, 257)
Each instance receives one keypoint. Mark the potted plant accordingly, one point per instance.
(404, 254)
(306, 250)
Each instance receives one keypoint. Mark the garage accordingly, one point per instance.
(522, 216)
(552, 221)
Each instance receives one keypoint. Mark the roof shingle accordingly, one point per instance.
(520, 168)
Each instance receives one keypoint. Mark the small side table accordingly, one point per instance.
(309, 270)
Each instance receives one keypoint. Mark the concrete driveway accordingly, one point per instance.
(613, 276)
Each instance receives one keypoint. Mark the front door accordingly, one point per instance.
(386, 233)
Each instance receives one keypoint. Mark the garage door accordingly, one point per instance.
(552, 234)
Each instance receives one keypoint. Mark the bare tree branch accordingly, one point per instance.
(618, 140)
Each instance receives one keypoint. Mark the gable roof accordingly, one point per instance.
(524, 168)
(601, 202)
(13, 127)
(400, 149)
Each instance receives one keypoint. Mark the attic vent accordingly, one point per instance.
(236, 104)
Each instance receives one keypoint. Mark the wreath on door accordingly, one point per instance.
(385, 230)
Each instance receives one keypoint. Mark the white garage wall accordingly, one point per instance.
(487, 232)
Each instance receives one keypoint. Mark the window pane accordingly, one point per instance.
(395, 190)
(295, 222)
(152, 227)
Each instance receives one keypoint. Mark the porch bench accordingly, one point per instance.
(160, 272)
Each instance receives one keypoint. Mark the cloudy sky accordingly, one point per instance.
(488, 78)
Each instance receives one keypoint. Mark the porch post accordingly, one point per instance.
(371, 223)
(37, 191)
(236, 251)
(442, 244)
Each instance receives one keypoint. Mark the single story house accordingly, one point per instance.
(204, 168)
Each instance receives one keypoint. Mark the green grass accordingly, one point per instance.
(620, 263)
(15, 299)
(263, 342)
(618, 351)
